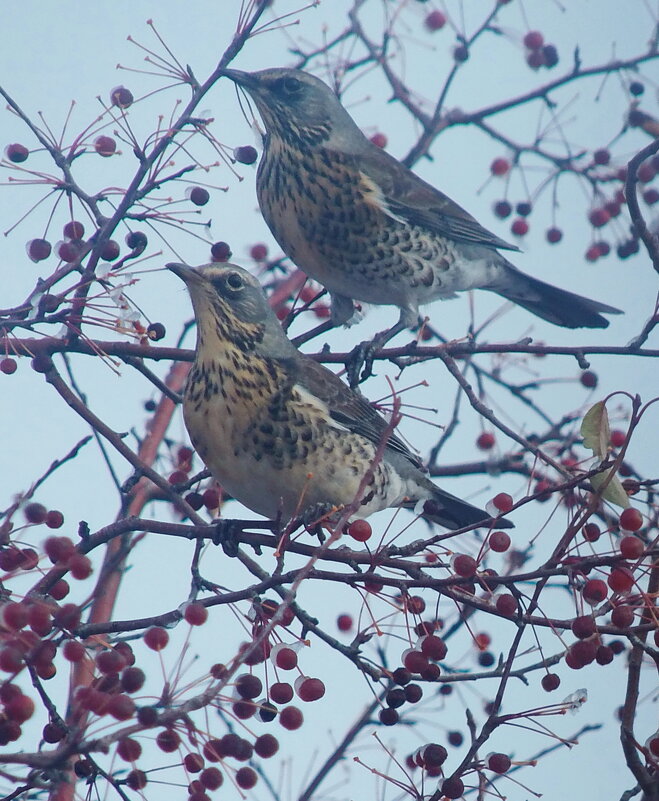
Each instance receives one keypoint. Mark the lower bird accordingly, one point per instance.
(365, 226)
(283, 434)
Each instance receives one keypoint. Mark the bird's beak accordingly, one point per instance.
(183, 271)
(244, 79)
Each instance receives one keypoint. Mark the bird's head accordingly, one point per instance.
(298, 107)
(230, 306)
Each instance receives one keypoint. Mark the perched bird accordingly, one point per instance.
(280, 432)
(365, 226)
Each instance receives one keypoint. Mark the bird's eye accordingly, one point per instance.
(234, 281)
(290, 86)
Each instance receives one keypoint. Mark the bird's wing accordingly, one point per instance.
(347, 408)
(403, 195)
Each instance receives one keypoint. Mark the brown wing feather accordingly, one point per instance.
(409, 197)
(349, 408)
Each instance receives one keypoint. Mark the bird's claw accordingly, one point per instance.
(226, 535)
(359, 364)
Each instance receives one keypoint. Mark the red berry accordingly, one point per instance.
(499, 166)
(499, 541)
(632, 547)
(594, 591)
(524, 208)
(220, 251)
(464, 565)
(73, 651)
(8, 366)
(16, 153)
(602, 156)
(583, 626)
(485, 441)
(506, 604)
(199, 196)
(433, 647)
(156, 638)
(168, 740)
(291, 718)
(259, 252)
(285, 658)
(550, 55)
(502, 209)
(121, 97)
(519, 227)
(67, 616)
(460, 53)
(38, 249)
(132, 679)
(379, 140)
(136, 780)
(195, 614)
(622, 616)
(193, 762)
(266, 746)
(74, 230)
(534, 40)
(499, 763)
(248, 686)
(503, 502)
(121, 707)
(453, 787)
(156, 332)
(309, 689)
(588, 379)
(281, 692)
(246, 778)
(631, 519)
(344, 622)
(621, 579)
(599, 217)
(554, 235)
(211, 498)
(245, 154)
(105, 145)
(415, 661)
(535, 59)
(212, 778)
(35, 513)
(435, 21)
(360, 530)
(80, 566)
(550, 682)
(651, 196)
(110, 661)
(136, 241)
(603, 655)
(54, 519)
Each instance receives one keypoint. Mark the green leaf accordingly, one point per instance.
(614, 492)
(596, 436)
(595, 430)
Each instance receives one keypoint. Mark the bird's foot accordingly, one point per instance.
(359, 364)
(226, 534)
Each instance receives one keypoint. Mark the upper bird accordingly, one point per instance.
(280, 432)
(365, 226)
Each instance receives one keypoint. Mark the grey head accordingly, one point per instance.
(229, 303)
(298, 107)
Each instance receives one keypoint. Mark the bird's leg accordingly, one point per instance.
(363, 354)
(226, 534)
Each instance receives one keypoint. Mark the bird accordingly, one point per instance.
(365, 226)
(283, 434)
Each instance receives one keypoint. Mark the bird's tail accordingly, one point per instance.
(551, 303)
(446, 510)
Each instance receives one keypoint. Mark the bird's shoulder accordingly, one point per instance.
(344, 407)
(406, 196)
